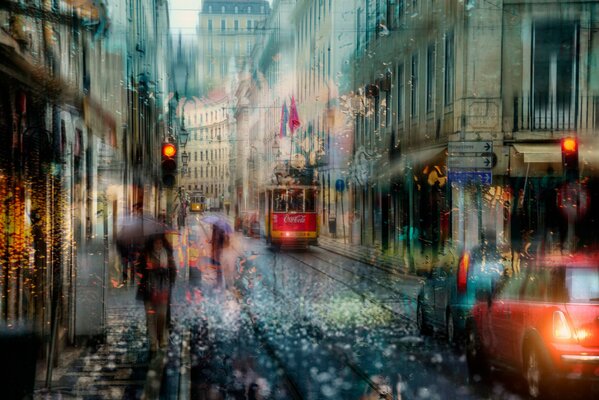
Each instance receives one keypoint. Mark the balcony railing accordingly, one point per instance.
(556, 114)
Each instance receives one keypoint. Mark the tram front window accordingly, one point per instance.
(310, 200)
(280, 200)
(296, 200)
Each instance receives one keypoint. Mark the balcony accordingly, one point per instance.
(556, 114)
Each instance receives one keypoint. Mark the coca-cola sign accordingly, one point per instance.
(294, 219)
(294, 222)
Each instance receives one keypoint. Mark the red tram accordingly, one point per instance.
(290, 215)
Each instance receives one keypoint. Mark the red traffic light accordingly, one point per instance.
(168, 150)
(569, 145)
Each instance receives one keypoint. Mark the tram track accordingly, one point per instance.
(290, 383)
(450, 373)
(316, 334)
(399, 295)
(456, 375)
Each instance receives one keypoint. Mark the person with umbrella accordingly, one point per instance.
(220, 239)
(158, 271)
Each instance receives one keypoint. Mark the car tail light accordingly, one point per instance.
(463, 273)
(561, 328)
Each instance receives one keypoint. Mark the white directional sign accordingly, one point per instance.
(469, 147)
(472, 162)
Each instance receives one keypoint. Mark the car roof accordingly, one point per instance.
(570, 260)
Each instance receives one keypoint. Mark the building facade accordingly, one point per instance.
(68, 137)
(227, 31)
(429, 76)
(208, 148)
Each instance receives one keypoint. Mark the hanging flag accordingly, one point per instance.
(294, 121)
(284, 118)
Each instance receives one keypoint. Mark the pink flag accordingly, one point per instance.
(294, 121)
(284, 118)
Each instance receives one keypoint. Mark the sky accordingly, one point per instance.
(184, 14)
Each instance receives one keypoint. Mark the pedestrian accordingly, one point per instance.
(158, 271)
(220, 240)
(218, 243)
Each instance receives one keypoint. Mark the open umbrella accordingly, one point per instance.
(220, 222)
(136, 229)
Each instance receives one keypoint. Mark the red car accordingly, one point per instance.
(543, 323)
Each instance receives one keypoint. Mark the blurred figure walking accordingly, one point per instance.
(158, 271)
(219, 241)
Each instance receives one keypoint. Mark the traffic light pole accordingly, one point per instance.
(169, 204)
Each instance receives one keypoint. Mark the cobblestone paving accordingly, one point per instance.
(114, 370)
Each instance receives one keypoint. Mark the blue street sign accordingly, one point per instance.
(465, 177)
(340, 185)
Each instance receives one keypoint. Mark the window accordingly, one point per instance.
(279, 200)
(555, 66)
(449, 69)
(209, 9)
(223, 25)
(582, 285)
(249, 24)
(222, 9)
(310, 200)
(295, 199)
(414, 87)
(195, 156)
(261, 9)
(400, 8)
(377, 114)
(236, 23)
(390, 17)
(430, 78)
(249, 10)
(209, 25)
(388, 106)
(400, 92)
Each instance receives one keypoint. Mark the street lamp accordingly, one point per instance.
(184, 158)
(183, 136)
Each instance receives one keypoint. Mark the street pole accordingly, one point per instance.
(410, 238)
(343, 218)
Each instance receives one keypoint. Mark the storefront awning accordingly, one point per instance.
(540, 152)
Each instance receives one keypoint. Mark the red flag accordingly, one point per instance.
(284, 118)
(294, 121)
